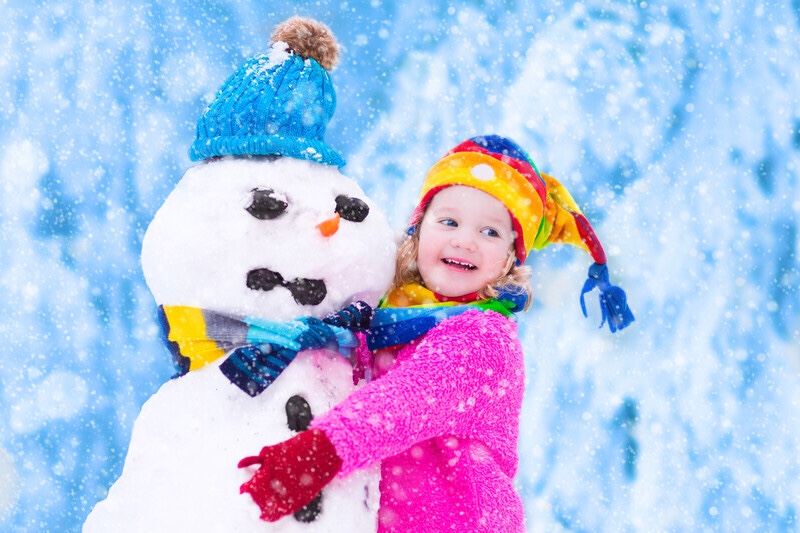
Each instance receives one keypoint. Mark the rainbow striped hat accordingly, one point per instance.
(542, 210)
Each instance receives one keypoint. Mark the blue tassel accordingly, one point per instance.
(613, 302)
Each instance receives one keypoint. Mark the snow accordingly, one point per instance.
(9, 491)
(212, 232)
(192, 432)
(211, 199)
(675, 126)
(60, 395)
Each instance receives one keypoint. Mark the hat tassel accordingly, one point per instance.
(613, 302)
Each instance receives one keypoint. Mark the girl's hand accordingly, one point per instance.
(291, 473)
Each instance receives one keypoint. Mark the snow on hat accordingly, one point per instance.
(278, 103)
(542, 210)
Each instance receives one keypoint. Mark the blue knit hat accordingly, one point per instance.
(278, 103)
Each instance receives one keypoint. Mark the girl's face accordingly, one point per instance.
(465, 240)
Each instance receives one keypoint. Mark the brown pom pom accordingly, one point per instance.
(309, 39)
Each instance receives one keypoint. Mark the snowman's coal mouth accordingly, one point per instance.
(304, 291)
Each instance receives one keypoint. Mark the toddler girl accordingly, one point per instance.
(441, 410)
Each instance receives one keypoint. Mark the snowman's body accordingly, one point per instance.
(227, 221)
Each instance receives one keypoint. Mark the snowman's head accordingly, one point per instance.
(276, 238)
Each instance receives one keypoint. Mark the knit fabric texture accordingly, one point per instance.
(275, 104)
(410, 311)
(444, 423)
(197, 337)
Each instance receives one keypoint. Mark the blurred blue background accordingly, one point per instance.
(675, 125)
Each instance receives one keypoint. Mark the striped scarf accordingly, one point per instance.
(408, 312)
(196, 337)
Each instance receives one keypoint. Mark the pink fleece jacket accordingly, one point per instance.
(444, 422)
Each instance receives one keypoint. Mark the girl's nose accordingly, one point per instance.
(464, 241)
(330, 226)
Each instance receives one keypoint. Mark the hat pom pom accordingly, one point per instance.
(613, 302)
(308, 39)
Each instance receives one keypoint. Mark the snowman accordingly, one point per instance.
(263, 231)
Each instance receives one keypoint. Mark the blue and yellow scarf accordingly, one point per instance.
(196, 337)
(258, 350)
(408, 312)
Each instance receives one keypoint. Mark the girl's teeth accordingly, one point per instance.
(466, 266)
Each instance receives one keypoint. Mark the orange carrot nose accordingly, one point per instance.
(330, 226)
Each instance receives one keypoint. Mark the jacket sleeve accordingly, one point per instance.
(450, 381)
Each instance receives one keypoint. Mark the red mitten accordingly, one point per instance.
(291, 473)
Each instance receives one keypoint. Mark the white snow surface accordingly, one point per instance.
(180, 474)
(9, 489)
(202, 242)
(180, 471)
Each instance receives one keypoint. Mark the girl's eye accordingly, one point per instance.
(266, 205)
(490, 232)
(351, 209)
(449, 222)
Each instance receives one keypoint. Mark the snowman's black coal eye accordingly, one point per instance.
(266, 205)
(351, 209)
